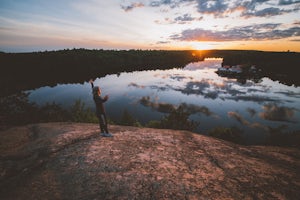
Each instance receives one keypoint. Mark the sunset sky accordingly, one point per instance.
(36, 25)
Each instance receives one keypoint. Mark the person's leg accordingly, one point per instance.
(106, 134)
(101, 124)
(105, 123)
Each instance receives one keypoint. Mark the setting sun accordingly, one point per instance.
(202, 45)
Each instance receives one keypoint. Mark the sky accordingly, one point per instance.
(39, 25)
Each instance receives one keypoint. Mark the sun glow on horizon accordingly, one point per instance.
(31, 25)
(203, 45)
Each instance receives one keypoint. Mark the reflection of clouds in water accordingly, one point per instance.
(160, 107)
(249, 90)
(290, 94)
(223, 89)
(196, 87)
(233, 92)
(238, 117)
(226, 89)
(168, 108)
(178, 77)
(208, 89)
(244, 122)
(273, 112)
(136, 85)
(211, 95)
(201, 65)
(193, 109)
(254, 98)
(174, 76)
(251, 111)
(160, 88)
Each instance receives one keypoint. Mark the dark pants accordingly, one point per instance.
(103, 123)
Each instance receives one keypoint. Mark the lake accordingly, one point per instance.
(252, 105)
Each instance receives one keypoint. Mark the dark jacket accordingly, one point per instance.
(99, 104)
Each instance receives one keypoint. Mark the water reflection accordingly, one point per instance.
(274, 112)
(252, 105)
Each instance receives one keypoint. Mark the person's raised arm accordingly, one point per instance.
(92, 83)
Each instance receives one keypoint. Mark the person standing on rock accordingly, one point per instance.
(100, 111)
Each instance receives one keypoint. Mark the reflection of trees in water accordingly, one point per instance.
(169, 108)
(278, 66)
(177, 119)
(31, 70)
(242, 79)
(17, 110)
(274, 112)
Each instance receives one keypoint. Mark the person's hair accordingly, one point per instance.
(95, 91)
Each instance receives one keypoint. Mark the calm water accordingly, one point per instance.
(251, 105)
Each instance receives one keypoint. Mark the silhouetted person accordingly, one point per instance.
(100, 111)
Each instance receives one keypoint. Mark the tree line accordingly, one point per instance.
(281, 66)
(21, 71)
(24, 71)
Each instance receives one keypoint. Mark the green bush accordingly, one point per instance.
(79, 113)
(128, 120)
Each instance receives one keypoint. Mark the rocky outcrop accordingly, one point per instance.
(71, 161)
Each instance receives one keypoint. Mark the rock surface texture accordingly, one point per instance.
(72, 161)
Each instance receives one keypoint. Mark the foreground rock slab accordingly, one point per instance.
(72, 161)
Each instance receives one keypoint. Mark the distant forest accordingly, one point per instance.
(24, 71)
(281, 66)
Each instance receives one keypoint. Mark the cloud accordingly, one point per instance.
(131, 6)
(170, 3)
(288, 2)
(296, 23)
(268, 31)
(221, 8)
(267, 12)
(216, 7)
(273, 112)
(163, 42)
(186, 18)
